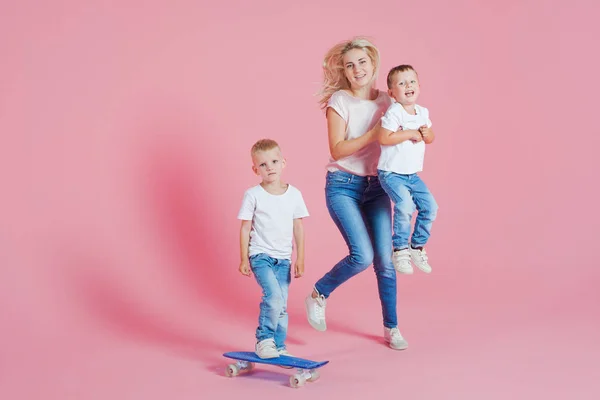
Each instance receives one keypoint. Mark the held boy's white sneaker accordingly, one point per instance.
(393, 337)
(315, 312)
(419, 257)
(266, 349)
(401, 259)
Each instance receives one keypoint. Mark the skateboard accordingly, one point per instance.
(245, 360)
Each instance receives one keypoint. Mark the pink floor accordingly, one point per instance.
(461, 347)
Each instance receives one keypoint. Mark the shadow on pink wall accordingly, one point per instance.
(180, 208)
(108, 301)
(184, 197)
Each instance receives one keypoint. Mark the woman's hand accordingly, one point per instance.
(427, 134)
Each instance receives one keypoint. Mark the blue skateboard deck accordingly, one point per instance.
(284, 361)
(245, 362)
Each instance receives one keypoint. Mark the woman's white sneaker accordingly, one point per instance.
(315, 312)
(393, 337)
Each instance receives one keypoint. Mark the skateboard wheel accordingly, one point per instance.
(232, 370)
(314, 375)
(297, 380)
(250, 367)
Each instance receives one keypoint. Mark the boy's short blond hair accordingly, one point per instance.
(397, 69)
(264, 145)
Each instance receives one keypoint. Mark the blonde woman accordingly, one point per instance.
(356, 201)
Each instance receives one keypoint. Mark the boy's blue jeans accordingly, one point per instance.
(274, 277)
(407, 193)
(361, 210)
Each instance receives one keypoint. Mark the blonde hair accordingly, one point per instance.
(263, 145)
(334, 77)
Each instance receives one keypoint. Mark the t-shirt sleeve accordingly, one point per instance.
(338, 103)
(392, 119)
(248, 206)
(300, 211)
(426, 113)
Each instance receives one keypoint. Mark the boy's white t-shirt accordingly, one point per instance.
(272, 219)
(406, 157)
(360, 117)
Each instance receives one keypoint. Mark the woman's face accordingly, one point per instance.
(358, 68)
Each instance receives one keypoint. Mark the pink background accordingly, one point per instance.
(125, 133)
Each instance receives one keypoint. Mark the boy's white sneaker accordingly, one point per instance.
(393, 337)
(401, 259)
(315, 311)
(284, 352)
(419, 257)
(266, 349)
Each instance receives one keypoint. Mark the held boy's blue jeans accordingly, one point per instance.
(407, 193)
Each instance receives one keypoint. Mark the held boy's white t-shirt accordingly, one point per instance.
(272, 219)
(406, 157)
(360, 116)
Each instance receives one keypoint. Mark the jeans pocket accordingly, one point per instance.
(383, 174)
(257, 257)
(338, 178)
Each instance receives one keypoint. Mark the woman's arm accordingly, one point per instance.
(339, 147)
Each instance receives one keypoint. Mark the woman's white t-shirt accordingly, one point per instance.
(360, 117)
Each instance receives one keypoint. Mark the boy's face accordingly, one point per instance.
(268, 164)
(405, 87)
